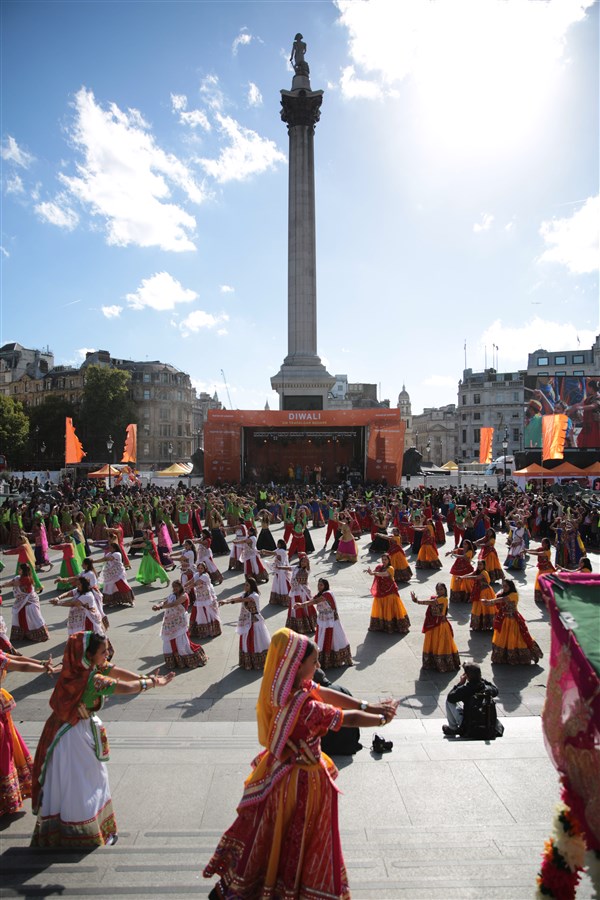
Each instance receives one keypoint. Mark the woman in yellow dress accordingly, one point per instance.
(439, 647)
(512, 642)
(482, 616)
(488, 554)
(460, 590)
(388, 612)
(544, 565)
(428, 557)
(402, 570)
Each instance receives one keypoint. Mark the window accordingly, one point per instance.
(577, 358)
(542, 361)
(146, 449)
(477, 416)
(516, 435)
(146, 395)
(578, 372)
(146, 377)
(560, 360)
(180, 431)
(464, 399)
(464, 417)
(516, 396)
(476, 435)
(464, 440)
(500, 397)
(559, 373)
(165, 414)
(476, 398)
(179, 396)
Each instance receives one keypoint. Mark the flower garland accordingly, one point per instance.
(563, 859)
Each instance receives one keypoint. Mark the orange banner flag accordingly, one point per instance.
(485, 445)
(130, 449)
(74, 452)
(554, 433)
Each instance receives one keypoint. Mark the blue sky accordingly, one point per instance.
(144, 185)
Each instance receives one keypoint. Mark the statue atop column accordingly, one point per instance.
(297, 56)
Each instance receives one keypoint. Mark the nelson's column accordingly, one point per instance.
(303, 382)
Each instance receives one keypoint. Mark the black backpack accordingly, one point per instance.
(482, 719)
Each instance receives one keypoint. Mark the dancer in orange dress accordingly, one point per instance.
(544, 565)
(489, 556)
(512, 642)
(388, 612)
(285, 841)
(460, 590)
(428, 557)
(482, 615)
(439, 647)
(402, 570)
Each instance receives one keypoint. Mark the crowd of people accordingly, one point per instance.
(197, 533)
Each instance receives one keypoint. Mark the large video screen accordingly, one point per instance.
(576, 396)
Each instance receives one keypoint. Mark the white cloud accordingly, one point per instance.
(516, 342)
(211, 92)
(254, 95)
(354, 88)
(222, 331)
(4, 252)
(11, 152)
(58, 213)
(126, 178)
(479, 67)
(206, 387)
(14, 184)
(83, 352)
(242, 40)
(485, 224)
(192, 117)
(160, 292)
(226, 289)
(247, 154)
(112, 312)
(574, 242)
(199, 319)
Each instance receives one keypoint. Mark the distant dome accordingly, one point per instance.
(404, 394)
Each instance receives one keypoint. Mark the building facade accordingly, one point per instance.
(434, 434)
(489, 399)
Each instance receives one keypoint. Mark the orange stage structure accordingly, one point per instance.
(261, 445)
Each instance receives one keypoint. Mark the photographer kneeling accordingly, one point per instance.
(470, 707)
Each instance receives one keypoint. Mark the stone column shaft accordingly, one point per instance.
(302, 274)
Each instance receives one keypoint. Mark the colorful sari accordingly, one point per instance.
(285, 841)
(388, 612)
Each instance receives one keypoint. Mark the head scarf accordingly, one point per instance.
(286, 652)
(73, 678)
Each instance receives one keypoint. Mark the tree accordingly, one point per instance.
(49, 420)
(106, 410)
(14, 429)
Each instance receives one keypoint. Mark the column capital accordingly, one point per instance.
(301, 108)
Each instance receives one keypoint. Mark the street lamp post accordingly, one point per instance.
(109, 445)
(37, 446)
(504, 449)
(170, 449)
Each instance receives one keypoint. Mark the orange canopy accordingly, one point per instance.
(104, 472)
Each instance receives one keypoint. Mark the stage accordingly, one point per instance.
(263, 446)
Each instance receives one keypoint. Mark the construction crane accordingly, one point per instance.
(227, 389)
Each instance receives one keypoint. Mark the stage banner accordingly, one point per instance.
(130, 449)
(575, 396)
(385, 451)
(74, 451)
(554, 432)
(485, 445)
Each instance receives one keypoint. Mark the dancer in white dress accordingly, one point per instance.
(83, 611)
(282, 574)
(179, 651)
(115, 588)
(254, 635)
(253, 566)
(330, 638)
(204, 619)
(27, 620)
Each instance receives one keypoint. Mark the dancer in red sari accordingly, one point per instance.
(285, 841)
(388, 612)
